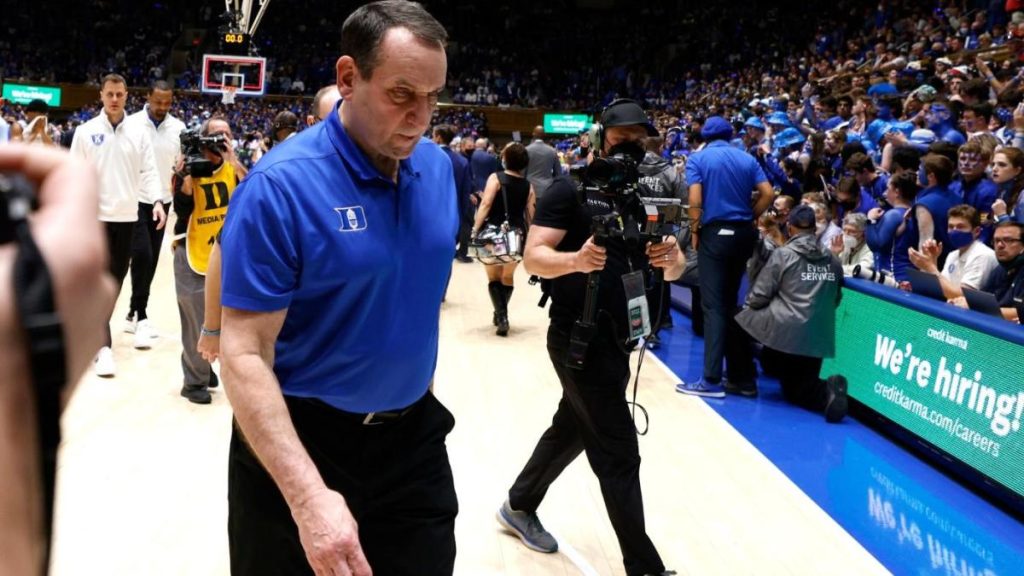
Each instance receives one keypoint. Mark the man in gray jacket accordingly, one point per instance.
(660, 179)
(791, 310)
(543, 165)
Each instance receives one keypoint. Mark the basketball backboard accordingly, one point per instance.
(246, 73)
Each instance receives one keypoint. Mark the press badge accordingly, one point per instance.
(636, 305)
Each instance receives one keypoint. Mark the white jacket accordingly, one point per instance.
(166, 145)
(126, 165)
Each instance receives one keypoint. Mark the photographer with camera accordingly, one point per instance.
(122, 153)
(569, 240)
(721, 180)
(211, 171)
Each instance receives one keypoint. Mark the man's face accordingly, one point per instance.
(468, 145)
(957, 223)
(972, 123)
(859, 82)
(851, 230)
(160, 103)
(1007, 243)
(843, 109)
(388, 112)
(863, 177)
(113, 95)
(615, 135)
(971, 165)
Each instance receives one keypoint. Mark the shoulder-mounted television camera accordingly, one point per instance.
(193, 142)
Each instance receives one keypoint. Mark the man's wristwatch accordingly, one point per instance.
(205, 332)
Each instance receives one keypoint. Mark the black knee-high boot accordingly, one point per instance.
(500, 307)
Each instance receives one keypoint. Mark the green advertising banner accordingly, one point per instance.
(565, 123)
(22, 94)
(957, 388)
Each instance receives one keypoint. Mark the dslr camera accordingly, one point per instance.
(193, 142)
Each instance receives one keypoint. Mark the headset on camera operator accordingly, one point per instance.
(588, 239)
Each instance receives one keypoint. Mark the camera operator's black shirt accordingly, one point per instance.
(560, 208)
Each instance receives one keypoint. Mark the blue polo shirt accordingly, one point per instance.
(727, 177)
(359, 262)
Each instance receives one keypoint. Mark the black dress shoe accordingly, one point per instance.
(464, 259)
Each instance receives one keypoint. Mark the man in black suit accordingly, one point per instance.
(443, 136)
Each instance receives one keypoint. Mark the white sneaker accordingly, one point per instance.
(129, 324)
(104, 363)
(145, 335)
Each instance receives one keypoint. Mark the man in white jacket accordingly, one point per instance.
(123, 155)
(164, 132)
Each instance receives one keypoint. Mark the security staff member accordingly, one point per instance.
(201, 208)
(338, 460)
(721, 179)
(592, 415)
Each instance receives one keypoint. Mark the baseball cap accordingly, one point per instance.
(801, 216)
(627, 113)
(716, 128)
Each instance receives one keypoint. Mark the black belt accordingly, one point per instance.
(384, 416)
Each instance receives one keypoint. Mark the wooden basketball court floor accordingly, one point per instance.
(143, 484)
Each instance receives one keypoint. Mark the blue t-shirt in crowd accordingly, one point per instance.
(360, 263)
(727, 177)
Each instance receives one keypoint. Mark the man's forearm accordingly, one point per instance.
(547, 262)
(264, 420)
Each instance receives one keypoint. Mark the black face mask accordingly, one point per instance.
(632, 149)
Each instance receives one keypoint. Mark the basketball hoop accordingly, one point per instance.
(228, 95)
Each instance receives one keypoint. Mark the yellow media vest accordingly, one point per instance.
(211, 196)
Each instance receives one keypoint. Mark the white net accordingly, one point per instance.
(228, 95)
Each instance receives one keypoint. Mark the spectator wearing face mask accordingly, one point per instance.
(970, 262)
(852, 247)
(932, 204)
(1007, 281)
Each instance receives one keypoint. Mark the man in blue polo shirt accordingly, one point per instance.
(338, 460)
(721, 180)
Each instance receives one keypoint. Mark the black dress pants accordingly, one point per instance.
(146, 242)
(395, 477)
(593, 417)
(724, 250)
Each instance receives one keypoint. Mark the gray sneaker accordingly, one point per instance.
(528, 528)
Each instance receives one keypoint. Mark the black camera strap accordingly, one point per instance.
(36, 306)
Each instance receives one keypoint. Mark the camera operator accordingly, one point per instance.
(201, 207)
(67, 233)
(593, 415)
